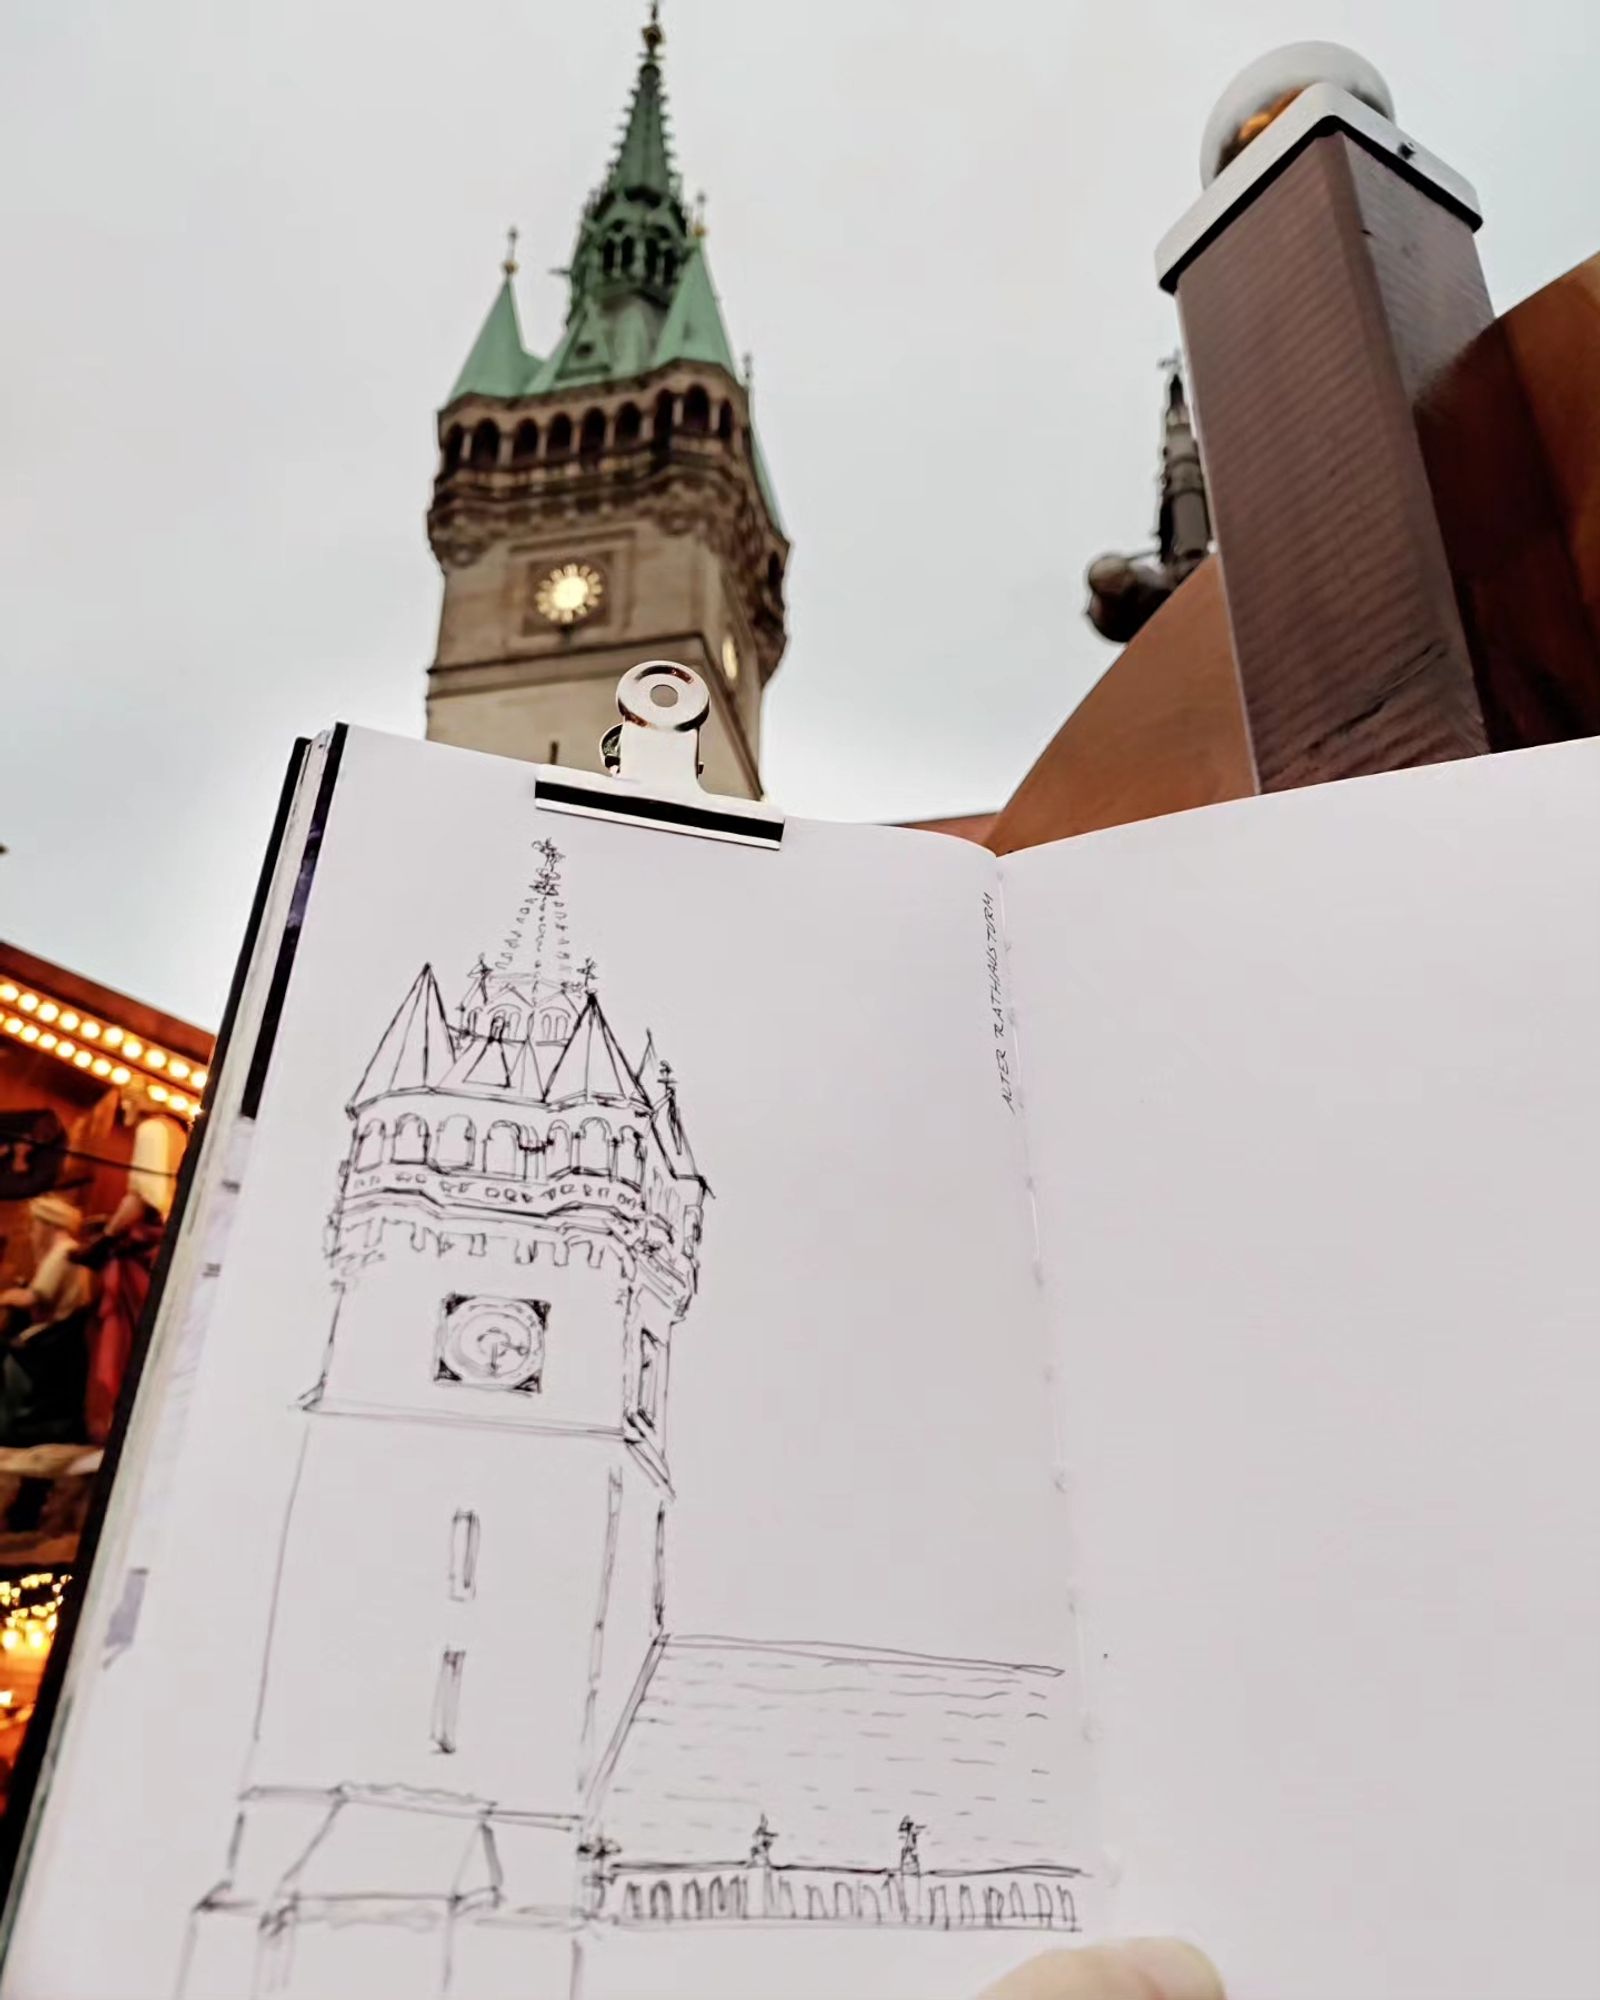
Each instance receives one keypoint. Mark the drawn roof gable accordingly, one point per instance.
(416, 1050)
(977, 1754)
(592, 1065)
(486, 1062)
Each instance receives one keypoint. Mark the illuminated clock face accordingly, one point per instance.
(569, 593)
(730, 661)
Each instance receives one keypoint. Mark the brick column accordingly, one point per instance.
(1324, 287)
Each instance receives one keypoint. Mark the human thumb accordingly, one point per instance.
(1138, 1969)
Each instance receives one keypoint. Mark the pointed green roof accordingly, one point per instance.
(693, 329)
(499, 364)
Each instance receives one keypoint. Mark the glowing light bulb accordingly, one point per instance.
(100, 1066)
(28, 1002)
(48, 1010)
(30, 1033)
(121, 1074)
(90, 1030)
(199, 1078)
(13, 1024)
(178, 1069)
(154, 1058)
(132, 1047)
(83, 1059)
(8, 992)
(69, 1020)
(158, 1092)
(66, 1050)
(113, 1038)
(47, 1041)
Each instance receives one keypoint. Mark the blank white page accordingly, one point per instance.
(1313, 1098)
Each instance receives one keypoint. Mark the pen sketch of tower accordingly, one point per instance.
(478, 1745)
(478, 1517)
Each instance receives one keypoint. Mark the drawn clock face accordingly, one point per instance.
(569, 593)
(498, 1343)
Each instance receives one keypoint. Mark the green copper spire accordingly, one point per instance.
(499, 364)
(644, 159)
(633, 244)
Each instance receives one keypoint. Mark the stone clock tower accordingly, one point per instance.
(608, 504)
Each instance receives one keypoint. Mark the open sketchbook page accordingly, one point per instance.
(1313, 1099)
(615, 1547)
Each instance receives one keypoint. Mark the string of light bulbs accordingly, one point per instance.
(112, 1053)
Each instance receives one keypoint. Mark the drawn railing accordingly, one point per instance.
(1010, 1899)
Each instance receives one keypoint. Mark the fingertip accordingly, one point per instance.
(1135, 1969)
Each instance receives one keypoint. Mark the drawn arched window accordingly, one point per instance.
(454, 439)
(1041, 1904)
(457, 1141)
(965, 1912)
(661, 1903)
(994, 1906)
(844, 1903)
(525, 445)
(1019, 1909)
(629, 424)
(559, 442)
(553, 1026)
(661, 425)
(693, 1901)
(870, 1908)
(500, 1022)
(697, 410)
(502, 1151)
(674, 1209)
(369, 1146)
(1069, 1909)
(592, 438)
(410, 1141)
(718, 1899)
(630, 1158)
(594, 1146)
(486, 444)
(632, 1904)
(815, 1907)
(558, 1151)
(725, 423)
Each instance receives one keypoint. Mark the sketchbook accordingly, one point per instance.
(817, 1421)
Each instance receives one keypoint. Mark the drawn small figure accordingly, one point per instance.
(910, 1834)
(600, 1854)
(761, 1844)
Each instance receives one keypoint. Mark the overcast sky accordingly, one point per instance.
(247, 244)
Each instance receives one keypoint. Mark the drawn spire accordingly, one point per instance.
(592, 1065)
(417, 1048)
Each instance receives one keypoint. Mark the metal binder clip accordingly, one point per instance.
(654, 756)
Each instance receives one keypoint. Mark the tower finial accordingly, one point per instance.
(697, 226)
(510, 266)
(653, 32)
